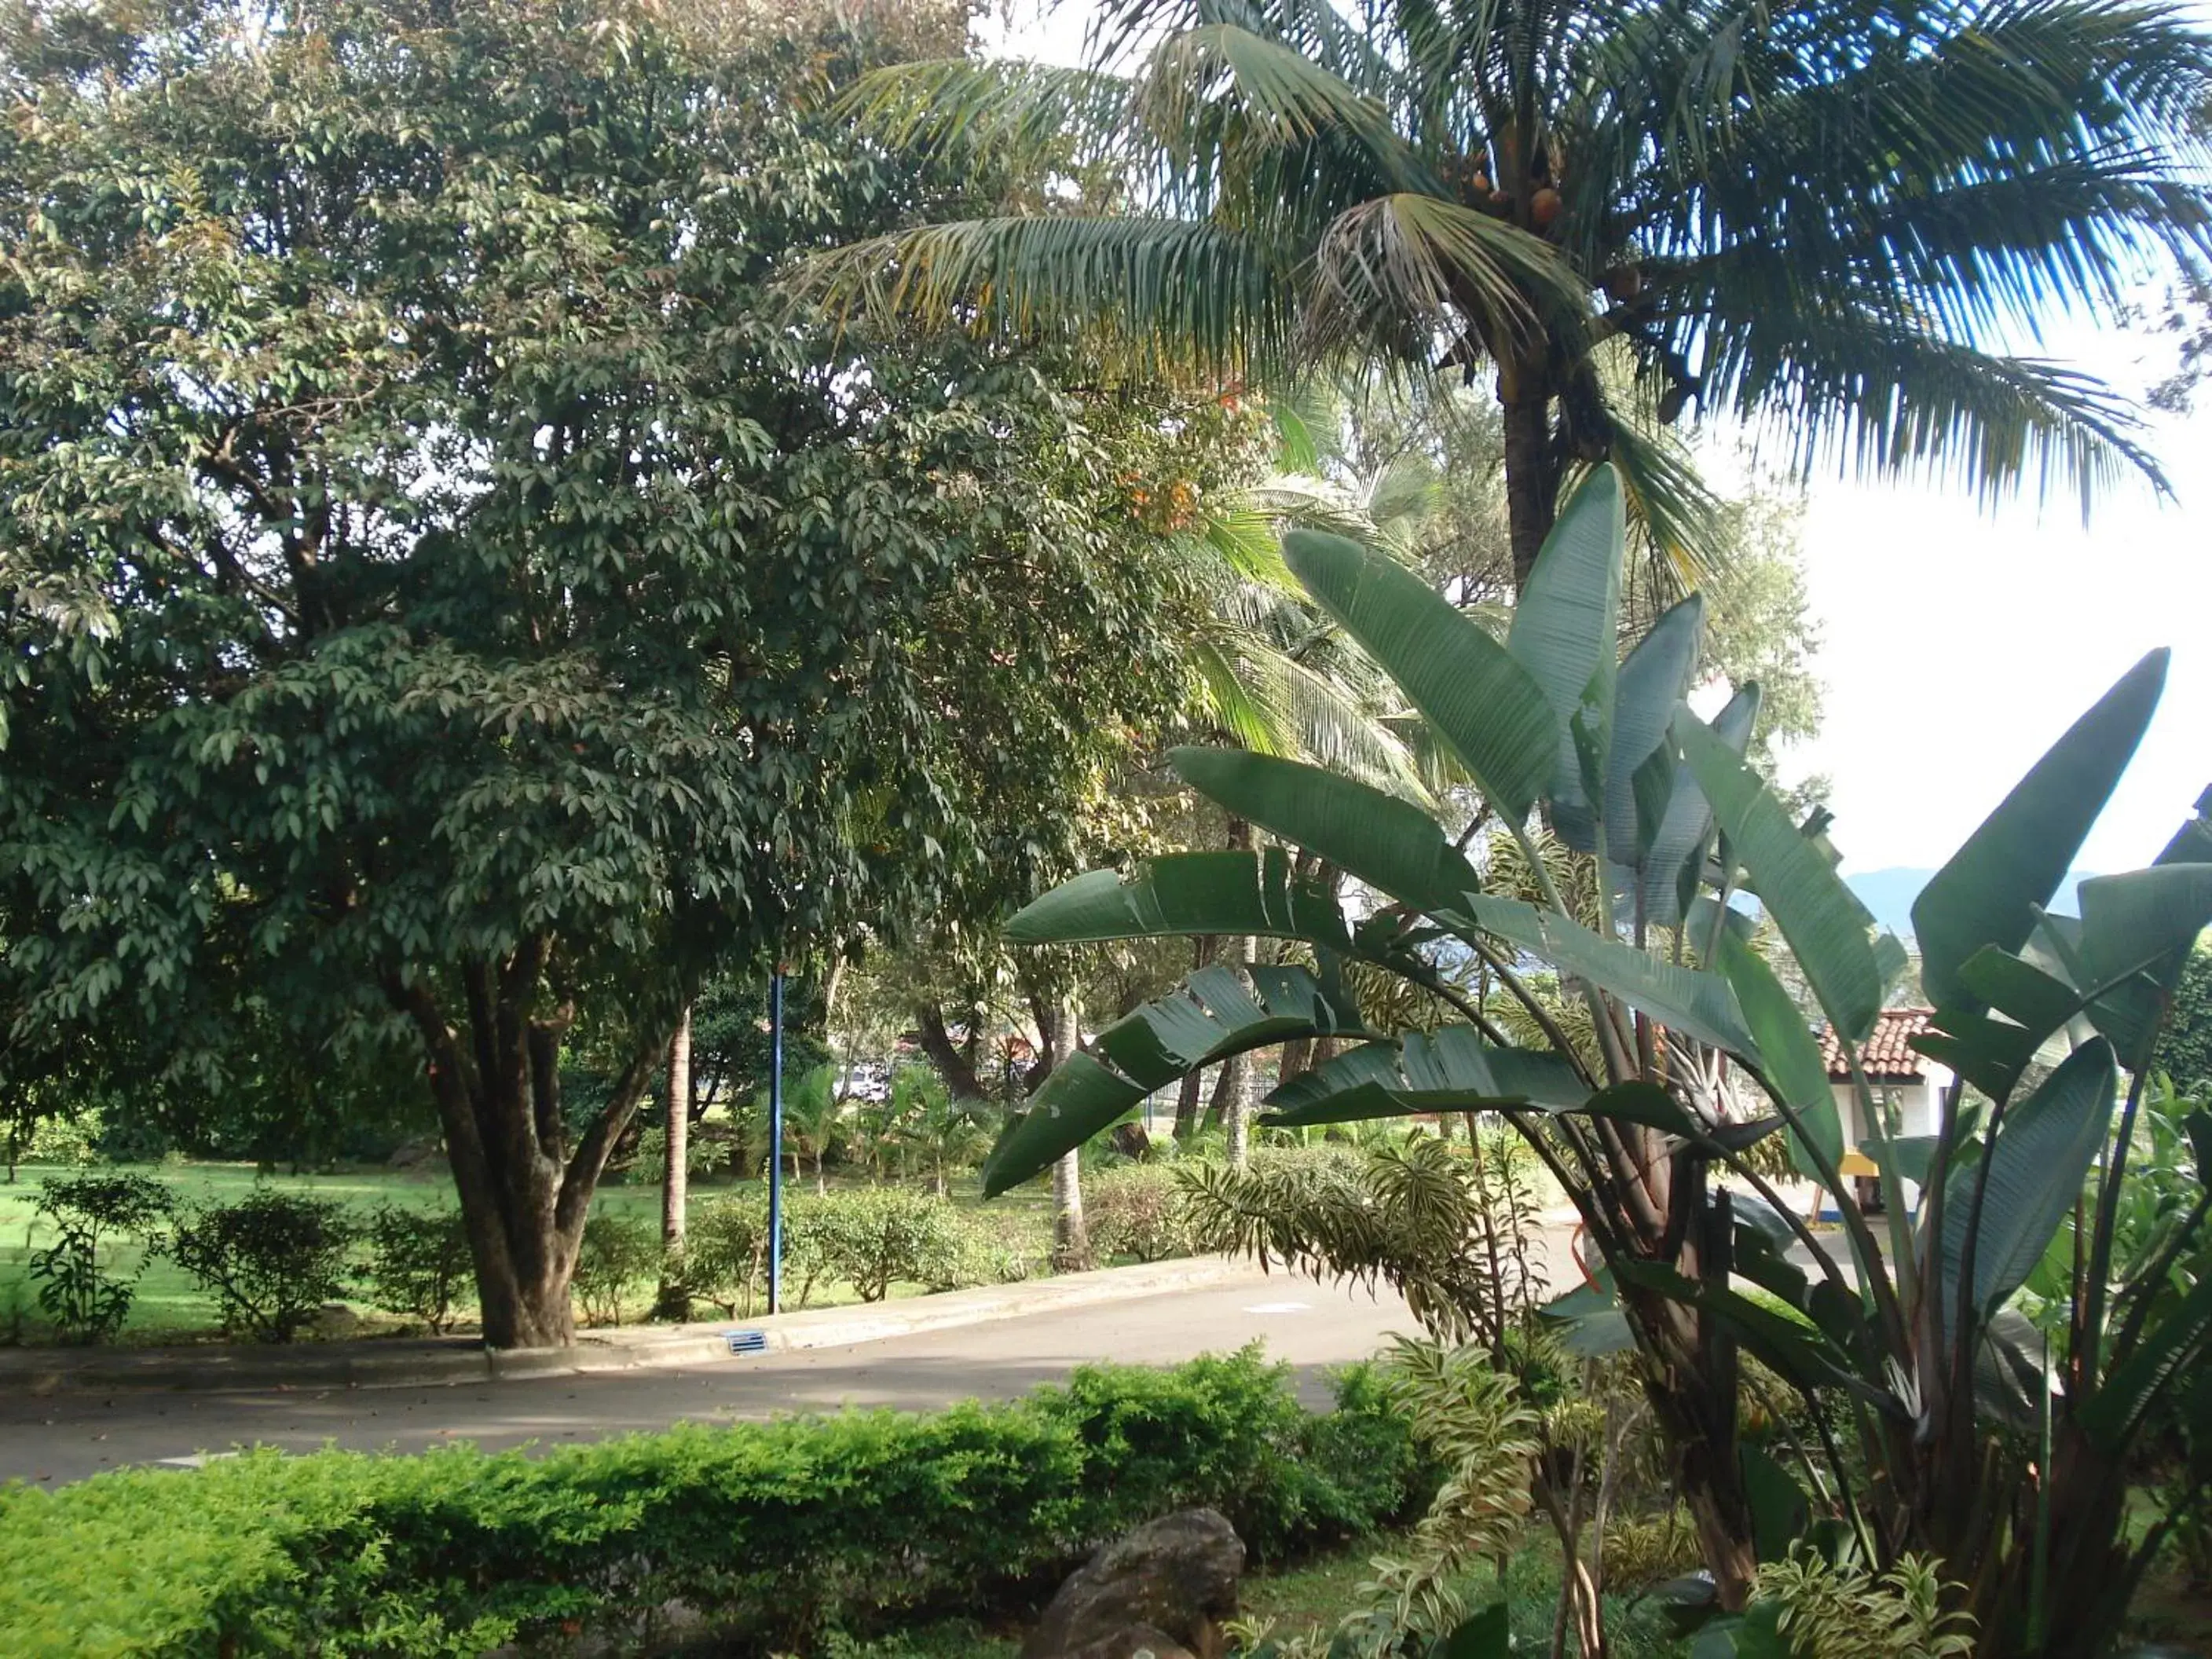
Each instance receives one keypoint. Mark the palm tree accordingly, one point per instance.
(1825, 216)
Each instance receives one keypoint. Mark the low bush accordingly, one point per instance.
(725, 1252)
(419, 1263)
(617, 1254)
(87, 1299)
(874, 1237)
(270, 1261)
(1138, 1210)
(771, 1532)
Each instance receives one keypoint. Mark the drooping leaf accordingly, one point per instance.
(1484, 1635)
(2017, 988)
(1678, 851)
(1452, 1070)
(1801, 1351)
(1778, 1509)
(1215, 1013)
(2136, 930)
(1588, 1319)
(1990, 890)
(1489, 713)
(2176, 1344)
(1389, 844)
(2038, 1164)
(1989, 1054)
(1696, 1003)
(1654, 680)
(1789, 1054)
(1565, 625)
(1181, 894)
(1829, 930)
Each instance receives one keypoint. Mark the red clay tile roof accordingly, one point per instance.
(1887, 1056)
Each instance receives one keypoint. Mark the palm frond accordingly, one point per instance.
(1406, 265)
(999, 111)
(1670, 503)
(1266, 91)
(1145, 291)
(1891, 398)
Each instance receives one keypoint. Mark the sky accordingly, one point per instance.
(1959, 641)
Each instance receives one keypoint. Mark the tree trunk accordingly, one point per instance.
(956, 1067)
(1241, 1078)
(1188, 1096)
(524, 1192)
(675, 1176)
(1071, 1238)
(1531, 474)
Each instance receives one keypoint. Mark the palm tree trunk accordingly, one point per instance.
(1532, 482)
(675, 1180)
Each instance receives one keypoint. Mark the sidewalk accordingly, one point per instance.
(389, 1362)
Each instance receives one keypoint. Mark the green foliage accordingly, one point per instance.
(726, 1251)
(86, 1302)
(873, 1237)
(2184, 1051)
(1822, 1611)
(1475, 1421)
(271, 1260)
(1908, 1339)
(450, 609)
(418, 1262)
(1450, 1234)
(616, 1254)
(1140, 1212)
(773, 1531)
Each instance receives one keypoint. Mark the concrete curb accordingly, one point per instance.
(391, 1362)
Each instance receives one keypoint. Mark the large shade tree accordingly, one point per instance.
(445, 607)
(1826, 215)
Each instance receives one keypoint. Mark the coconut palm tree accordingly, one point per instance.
(1825, 216)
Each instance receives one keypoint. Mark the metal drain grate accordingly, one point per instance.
(746, 1341)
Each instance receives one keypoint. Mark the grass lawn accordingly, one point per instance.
(169, 1307)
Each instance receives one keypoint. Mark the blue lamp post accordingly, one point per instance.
(775, 1142)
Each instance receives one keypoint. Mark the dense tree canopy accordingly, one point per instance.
(442, 598)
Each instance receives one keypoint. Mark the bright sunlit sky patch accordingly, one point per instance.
(1960, 640)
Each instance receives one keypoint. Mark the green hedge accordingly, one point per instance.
(770, 1531)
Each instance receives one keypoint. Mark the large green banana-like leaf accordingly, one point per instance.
(1829, 931)
(1788, 1055)
(2037, 1164)
(1654, 680)
(1695, 1002)
(1801, 1352)
(1389, 844)
(2176, 1344)
(1184, 894)
(1494, 718)
(2008, 868)
(1454, 1070)
(1677, 853)
(1566, 632)
(1215, 1013)
(1990, 1054)
(2136, 931)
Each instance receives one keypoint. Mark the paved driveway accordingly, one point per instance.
(67, 1436)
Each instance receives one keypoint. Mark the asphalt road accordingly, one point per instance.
(68, 1436)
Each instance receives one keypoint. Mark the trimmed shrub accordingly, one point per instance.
(270, 1261)
(874, 1237)
(773, 1532)
(1138, 1210)
(419, 1263)
(617, 1253)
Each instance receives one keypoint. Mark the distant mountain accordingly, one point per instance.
(1889, 893)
